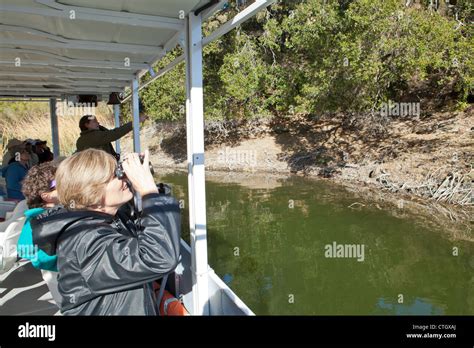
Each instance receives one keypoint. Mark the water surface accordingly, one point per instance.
(267, 241)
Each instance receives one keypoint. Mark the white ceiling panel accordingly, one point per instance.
(76, 45)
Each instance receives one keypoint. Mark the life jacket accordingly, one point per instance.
(169, 305)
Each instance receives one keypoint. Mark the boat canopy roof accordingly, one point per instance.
(53, 48)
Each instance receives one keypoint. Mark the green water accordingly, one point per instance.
(268, 245)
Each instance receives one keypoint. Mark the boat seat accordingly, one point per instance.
(8, 244)
(18, 212)
(5, 207)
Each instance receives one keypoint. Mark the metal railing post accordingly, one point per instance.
(117, 124)
(54, 127)
(135, 113)
(196, 172)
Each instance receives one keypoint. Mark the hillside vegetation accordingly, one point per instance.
(320, 57)
(376, 91)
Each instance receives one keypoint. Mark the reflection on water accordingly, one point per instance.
(418, 306)
(267, 242)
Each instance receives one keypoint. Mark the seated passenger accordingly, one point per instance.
(34, 159)
(39, 189)
(107, 262)
(43, 151)
(15, 172)
(9, 154)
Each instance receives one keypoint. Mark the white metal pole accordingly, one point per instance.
(196, 178)
(54, 127)
(135, 113)
(117, 124)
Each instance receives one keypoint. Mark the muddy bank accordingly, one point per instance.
(427, 160)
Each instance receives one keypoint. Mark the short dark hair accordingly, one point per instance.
(38, 181)
(83, 121)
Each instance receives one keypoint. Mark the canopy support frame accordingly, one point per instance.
(117, 124)
(54, 127)
(136, 116)
(196, 169)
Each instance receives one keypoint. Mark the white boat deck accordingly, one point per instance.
(24, 292)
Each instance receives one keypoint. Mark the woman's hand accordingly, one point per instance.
(139, 174)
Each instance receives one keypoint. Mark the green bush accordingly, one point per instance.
(321, 56)
(353, 57)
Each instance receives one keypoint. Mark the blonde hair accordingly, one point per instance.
(82, 178)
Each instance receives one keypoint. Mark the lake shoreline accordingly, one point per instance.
(454, 220)
(429, 160)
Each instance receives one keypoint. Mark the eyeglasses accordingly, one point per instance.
(52, 186)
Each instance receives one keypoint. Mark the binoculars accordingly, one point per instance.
(120, 173)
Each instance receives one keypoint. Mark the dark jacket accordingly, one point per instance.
(101, 138)
(14, 173)
(106, 264)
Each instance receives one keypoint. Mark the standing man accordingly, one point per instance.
(93, 135)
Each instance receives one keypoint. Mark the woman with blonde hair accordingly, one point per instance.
(107, 262)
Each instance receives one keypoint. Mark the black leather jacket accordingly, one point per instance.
(106, 263)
